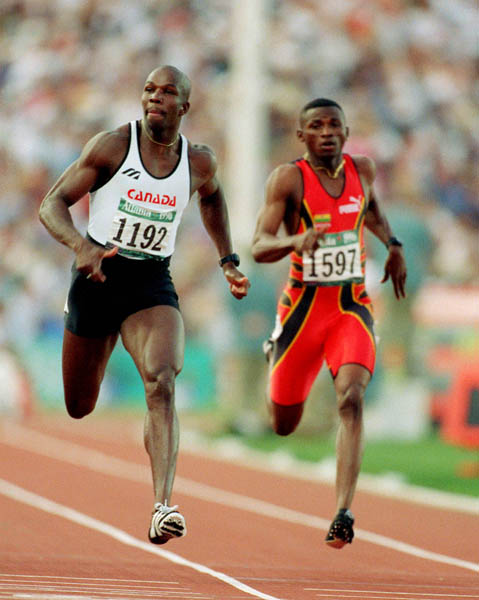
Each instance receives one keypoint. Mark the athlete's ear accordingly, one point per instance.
(299, 135)
(347, 132)
(185, 108)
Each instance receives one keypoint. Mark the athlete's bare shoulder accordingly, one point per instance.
(203, 161)
(107, 148)
(287, 171)
(365, 166)
(104, 153)
(286, 179)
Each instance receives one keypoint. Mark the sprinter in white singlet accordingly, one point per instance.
(139, 179)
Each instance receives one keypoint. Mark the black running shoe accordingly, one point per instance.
(341, 531)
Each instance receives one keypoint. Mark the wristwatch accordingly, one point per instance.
(234, 258)
(393, 241)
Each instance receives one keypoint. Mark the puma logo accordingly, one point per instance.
(354, 205)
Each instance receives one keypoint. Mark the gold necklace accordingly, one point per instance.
(159, 143)
(333, 175)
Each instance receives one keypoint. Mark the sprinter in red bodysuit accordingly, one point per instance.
(324, 200)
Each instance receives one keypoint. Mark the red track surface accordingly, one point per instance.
(232, 551)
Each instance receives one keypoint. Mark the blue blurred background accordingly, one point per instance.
(405, 73)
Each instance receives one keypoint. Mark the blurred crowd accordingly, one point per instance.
(405, 72)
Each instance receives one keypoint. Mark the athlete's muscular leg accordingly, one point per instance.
(83, 362)
(155, 339)
(290, 380)
(350, 385)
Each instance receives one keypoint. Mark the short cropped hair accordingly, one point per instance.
(316, 103)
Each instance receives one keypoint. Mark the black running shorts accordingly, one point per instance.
(96, 309)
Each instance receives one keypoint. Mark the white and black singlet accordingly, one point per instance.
(140, 214)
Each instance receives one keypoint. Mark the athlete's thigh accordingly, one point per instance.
(84, 360)
(296, 360)
(350, 341)
(155, 339)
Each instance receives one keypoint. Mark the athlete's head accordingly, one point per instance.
(322, 127)
(165, 96)
(317, 102)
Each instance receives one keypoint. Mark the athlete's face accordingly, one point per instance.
(324, 131)
(164, 99)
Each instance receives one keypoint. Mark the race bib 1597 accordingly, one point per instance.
(337, 260)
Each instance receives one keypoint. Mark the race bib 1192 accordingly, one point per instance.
(139, 232)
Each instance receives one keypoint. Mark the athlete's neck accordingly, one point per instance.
(165, 143)
(331, 166)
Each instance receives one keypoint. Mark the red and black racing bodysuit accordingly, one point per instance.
(324, 312)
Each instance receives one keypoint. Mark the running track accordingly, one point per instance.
(75, 500)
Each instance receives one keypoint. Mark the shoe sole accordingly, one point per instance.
(172, 525)
(336, 543)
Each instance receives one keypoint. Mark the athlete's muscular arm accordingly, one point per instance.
(214, 213)
(282, 206)
(95, 165)
(376, 221)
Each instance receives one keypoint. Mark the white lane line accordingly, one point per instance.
(368, 597)
(47, 594)
(78, 455)
(85, 580)
(100, 589)
(417, 595)
(88, 582)
(388, 485)
(266, 509)
(39, 502)
(101, 594)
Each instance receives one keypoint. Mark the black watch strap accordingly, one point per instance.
(234, 258)
(393, 241)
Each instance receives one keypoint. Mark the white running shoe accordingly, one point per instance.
(268, 349)
(166, 523)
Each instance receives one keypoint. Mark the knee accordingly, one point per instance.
(350, 402)
(285, 419)
(283, 429)
(80, 399)
(160, 388)
(77, 411)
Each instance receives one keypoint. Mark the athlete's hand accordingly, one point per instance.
(395, 267)
(309, 240)
(89, 259)
(239, 284)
